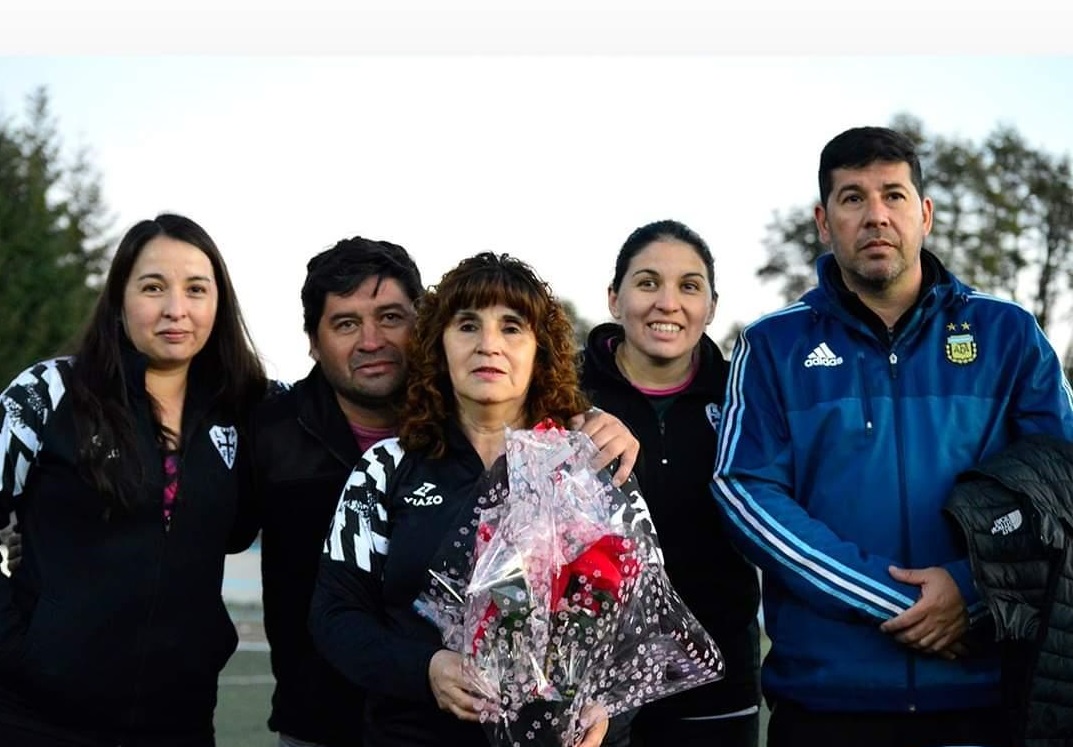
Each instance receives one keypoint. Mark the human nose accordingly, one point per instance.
(667, 298)
(490, 341)
(175, 305)
(370, 337)
(876, 213)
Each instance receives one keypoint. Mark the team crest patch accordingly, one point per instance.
(961, 349)
(714, 415)
(226, 442)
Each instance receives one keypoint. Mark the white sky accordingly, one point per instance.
(547, 131)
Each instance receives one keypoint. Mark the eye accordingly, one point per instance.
(851, 198)
(198, 290)
(467, 326)
(647, 284)
(345, 325)
(391, 319)
(691, 286)
(152, 288)
(896, 196)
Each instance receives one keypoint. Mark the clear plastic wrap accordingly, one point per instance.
(561, 604)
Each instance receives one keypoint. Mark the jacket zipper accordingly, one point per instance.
(906, 540)
(151, 616)
(662, 437)
(866, 391)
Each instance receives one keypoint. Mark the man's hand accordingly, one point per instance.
(939, 619)
(450, 686)
(612, 438)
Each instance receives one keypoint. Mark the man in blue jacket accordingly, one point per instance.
(848, 415)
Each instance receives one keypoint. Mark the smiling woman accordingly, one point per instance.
(657, 370)
(125, 464)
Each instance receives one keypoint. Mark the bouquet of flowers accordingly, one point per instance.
(560, 603)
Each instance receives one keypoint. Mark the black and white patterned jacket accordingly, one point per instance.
(395, 517)
(113, 626)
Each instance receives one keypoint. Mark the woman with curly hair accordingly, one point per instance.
(492, 349)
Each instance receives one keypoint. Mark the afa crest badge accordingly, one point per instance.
(961, 349)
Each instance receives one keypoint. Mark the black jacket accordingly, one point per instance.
(363, 619)
(1016, 511)
(677, 456)
(113, 628)
(362, 615)
(304, 451)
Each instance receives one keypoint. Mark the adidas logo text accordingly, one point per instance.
(822, 356)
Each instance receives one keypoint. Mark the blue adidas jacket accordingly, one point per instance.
(836, 455)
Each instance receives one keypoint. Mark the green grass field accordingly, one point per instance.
(243, 701)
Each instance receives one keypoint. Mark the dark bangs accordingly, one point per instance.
(486, 280)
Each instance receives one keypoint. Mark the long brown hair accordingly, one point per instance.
(107, 454)
(478, 282)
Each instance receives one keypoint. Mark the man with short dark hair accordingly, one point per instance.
(849, 414)
(358, 307)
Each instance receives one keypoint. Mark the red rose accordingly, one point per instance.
(606, 565)
(487, 621)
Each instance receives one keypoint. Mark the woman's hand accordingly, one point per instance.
(595, 722)
(451, 686)
(12, 542)
(612, 438)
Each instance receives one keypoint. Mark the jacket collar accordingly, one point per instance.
(200, 390)
(599, 362)
(320, 414)
(939, 288)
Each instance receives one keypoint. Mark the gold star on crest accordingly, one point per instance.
(951, 327)
(966, 325)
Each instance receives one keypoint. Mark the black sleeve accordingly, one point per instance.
(346, 616)
(25, 406)
(248, 514)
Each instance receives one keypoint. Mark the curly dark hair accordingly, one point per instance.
(484, 280)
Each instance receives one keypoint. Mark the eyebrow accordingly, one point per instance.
(690, 274)
(510, 316)
(856, 187)
(516, 319)
(394, 306)
(160, 276)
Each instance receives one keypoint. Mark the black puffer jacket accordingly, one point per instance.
(677, 456)
(1016, 510)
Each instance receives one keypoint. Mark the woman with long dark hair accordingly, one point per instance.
(125, 465)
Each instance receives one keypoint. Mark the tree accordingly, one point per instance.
(581, 325)
(53, 250)
(1003, 220)
(730, 339)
